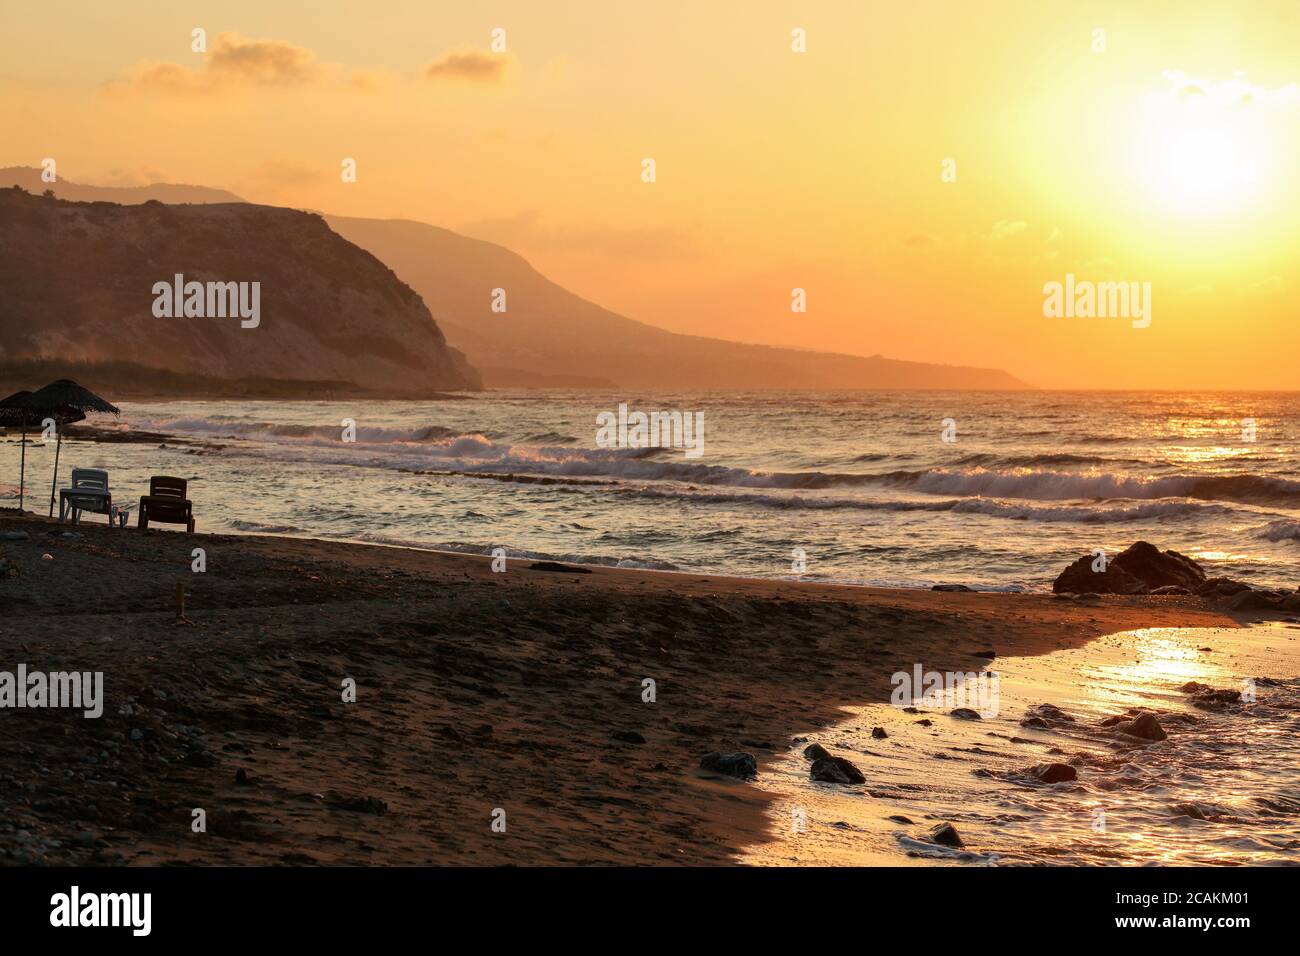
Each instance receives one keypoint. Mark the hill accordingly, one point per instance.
(80, 283)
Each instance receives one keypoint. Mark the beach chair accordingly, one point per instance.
(89, 492)
(166, 502)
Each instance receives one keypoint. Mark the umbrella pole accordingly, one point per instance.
(22, 469)
(57, 445)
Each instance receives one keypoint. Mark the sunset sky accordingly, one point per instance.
(1169, 157)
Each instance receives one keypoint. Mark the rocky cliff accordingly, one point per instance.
(83, 283)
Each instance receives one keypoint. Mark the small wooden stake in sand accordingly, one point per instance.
(180, 605)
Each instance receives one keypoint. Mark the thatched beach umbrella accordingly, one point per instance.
(64, 401)
(14, 413)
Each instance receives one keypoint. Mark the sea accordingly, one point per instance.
(996, 491)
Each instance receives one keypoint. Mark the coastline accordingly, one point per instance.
(476, 691)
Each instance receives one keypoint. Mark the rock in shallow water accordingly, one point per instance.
(1053, 772)
(1144, 726)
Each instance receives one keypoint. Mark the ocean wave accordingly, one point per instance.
(1280, 531)
(469, 451)
(227, 426)
(990, 507)
(1063, 485)
(985, 459)
(260, 528)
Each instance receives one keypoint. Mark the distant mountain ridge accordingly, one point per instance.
(551, 337)
(30, 180)
(549, 331)
(77, 285)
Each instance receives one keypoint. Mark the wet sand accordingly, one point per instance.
(476, 692)
(1220, 789)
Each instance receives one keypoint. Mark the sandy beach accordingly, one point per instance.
(476, 692)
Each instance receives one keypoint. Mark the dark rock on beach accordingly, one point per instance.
(1049, 713)
(946, 834)
(1156, 568)
(965, 713)
(1221, 587)
(1144, 726)
(1210, 698)
(1080, 578)
(556, 566)
(1140, 569)
(1052, 772)
(950, 587)
(627, 737)
(1255, 601)
(878, 733)
(836, 770)
(815, 752)
(743, 766)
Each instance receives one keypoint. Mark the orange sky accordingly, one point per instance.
(1169, 157)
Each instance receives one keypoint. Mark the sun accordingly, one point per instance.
(1203, 149)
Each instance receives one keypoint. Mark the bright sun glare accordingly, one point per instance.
(1206, 149)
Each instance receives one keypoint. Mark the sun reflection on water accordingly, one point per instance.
(1223, 788)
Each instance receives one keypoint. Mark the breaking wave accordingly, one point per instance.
(1030, 477)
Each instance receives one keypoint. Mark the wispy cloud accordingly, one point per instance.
(233, 62)
(471, 66)
(238, 63)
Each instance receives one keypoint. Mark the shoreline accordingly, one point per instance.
(476, 691)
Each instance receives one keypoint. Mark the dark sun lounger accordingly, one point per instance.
(166, 502)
